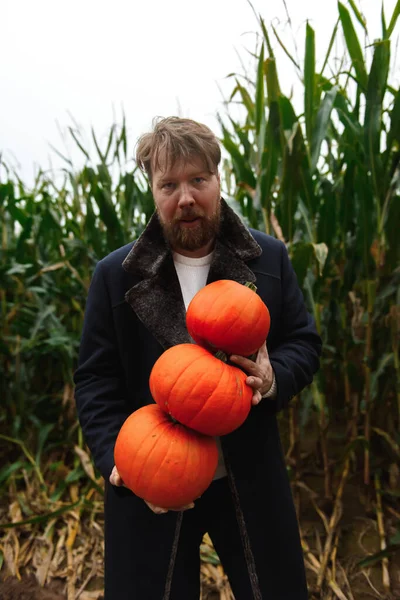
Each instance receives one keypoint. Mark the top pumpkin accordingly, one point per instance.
(228, 316)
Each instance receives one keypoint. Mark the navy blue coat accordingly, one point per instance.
(134, 312)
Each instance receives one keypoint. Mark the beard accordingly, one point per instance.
(191, 238)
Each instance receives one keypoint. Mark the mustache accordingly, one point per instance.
(188, 214)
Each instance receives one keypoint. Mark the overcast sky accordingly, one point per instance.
(90, 58)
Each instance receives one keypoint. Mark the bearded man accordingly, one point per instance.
(136, 310)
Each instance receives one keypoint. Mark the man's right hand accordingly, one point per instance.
(116, 479)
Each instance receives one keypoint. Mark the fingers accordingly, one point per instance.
(260, 373)
(254, 382)
(158, 510)
(115, 478)
(187, 507)
(245, 363)
(256, 399)
(263, 353)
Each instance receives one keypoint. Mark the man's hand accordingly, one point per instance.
(116, 479)
(261, 374)
(159, 511)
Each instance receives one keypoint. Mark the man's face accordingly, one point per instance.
(187, 198)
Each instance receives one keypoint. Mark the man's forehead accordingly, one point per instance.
(168, 167)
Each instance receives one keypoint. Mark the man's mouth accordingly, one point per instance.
(190, 220)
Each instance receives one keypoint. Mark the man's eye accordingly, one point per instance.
(168, 186)
(199, 179)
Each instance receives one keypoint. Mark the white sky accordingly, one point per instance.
(90, 58)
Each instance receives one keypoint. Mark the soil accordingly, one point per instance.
(28, 589)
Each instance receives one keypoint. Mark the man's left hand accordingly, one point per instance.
(260, 373)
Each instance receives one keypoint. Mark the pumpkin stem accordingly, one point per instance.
(251, 286)
(221, 356)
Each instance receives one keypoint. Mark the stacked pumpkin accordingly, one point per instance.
(166, 452)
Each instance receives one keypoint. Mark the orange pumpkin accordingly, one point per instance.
(164, 462)
(226, 315)
(199, 390)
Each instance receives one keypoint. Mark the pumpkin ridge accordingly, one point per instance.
(250, 300)
(139, 474)
(260, 317)
(180, 374)
(223, 371)
(154, 476)
(235, 376)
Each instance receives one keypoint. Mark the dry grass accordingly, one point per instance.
(63, 551)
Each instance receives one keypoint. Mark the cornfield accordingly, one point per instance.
(326, 182)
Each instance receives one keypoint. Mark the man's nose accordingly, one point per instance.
(185, 196)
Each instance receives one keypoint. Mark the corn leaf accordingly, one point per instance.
(383, 20)
(330, 46)
(353, 46)
(78, 143)
(309, 83)
(259, 105)
(286, 51)
(373, 112)
(322, 124)
(393, 20)
(358, 15)
(266, 37)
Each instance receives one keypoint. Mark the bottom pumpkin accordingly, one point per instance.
(162, 461)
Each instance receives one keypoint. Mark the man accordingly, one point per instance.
(135, 311)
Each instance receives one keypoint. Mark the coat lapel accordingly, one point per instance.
(157, 298)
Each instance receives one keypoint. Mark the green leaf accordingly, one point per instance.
(42, 438)
(43, 517)
(6, 193)
(286, 51)
(301, 255)
(373, 112)
(353, 46)
(365, 214)
(309, 83)
(273, 88)
(378, 556)
(393, 20)
(266, 38)
(78, 143)
(393, 136)
(101, 155)
(247, 101)
(8, 470)
(384, 27)
(259, 106)
(110, 140)
(243, 171)
(330, 46)
(108, 215)
(358, 15)
(390, 441)
(322, 124)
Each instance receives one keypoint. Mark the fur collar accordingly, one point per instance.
(157, 298)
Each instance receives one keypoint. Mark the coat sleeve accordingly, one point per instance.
(99, 384)
(296, 358)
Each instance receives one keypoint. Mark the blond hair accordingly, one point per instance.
(174, 139)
